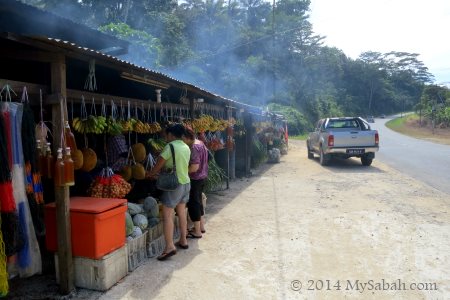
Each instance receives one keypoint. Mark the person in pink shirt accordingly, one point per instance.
(198, 172)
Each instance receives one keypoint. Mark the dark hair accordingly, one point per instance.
(176, 129)
(189, 133)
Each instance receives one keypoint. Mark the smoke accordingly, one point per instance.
(214, 47)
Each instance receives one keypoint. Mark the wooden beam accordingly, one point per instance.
(28, 55)
(83, 54)
(62, 197)
(32, 89)
(76, 95)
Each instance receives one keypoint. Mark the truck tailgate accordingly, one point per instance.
(355, 138)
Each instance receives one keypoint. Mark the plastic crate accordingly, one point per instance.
(155, 232)
(98, 274)
(155, 247)
(136, 251)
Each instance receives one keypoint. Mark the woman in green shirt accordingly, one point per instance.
(178, 198)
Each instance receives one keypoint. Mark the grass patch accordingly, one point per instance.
(401, 124)
(301, 137)
(410, 125)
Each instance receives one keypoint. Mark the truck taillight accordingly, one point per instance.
(377, 138)
(330, 140)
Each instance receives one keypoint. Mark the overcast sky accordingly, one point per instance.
(414, 26)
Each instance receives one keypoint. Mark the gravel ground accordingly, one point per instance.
(297, 230)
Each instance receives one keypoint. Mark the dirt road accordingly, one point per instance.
(301, 231)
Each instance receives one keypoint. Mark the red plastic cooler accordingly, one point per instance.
(97, 226)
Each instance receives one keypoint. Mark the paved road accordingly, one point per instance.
(423, 160)
(297, 230)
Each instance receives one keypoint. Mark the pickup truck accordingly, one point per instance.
(345, 138)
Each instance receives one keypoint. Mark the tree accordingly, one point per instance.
(145, 49)
(253, 52)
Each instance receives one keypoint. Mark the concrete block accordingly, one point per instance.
(99, 274)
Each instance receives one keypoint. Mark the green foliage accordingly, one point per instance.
(249, 52)
(259, 153)
(297, 123)
(435, 103)
(216, 177)
(144, 47)
(302, 137)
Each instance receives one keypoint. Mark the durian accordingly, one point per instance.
(138, 171)
(139, 152)
(89, 159)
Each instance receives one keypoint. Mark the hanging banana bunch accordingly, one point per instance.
(91, 124)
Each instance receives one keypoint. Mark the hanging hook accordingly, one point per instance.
(91, 81)
(7, 88)
(24, 95)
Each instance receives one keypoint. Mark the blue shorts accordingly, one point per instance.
(173, 198)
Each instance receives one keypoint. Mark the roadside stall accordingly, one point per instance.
(79, 129)
(109, 139)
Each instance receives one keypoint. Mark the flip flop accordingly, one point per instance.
(182, 246)
(166, 255)
(190, 235)
(192, 229)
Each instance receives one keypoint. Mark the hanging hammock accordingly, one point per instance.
(34, 190)
(10, 219)
(29, 258)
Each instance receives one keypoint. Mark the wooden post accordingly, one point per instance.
(62, 197)
(228, 116)
(191, 108)
(248, 142)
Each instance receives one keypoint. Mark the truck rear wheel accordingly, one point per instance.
(310, 154)
(324, 158)
(366, 161)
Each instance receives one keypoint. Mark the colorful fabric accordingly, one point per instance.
(116, 147)
(7, 200)
(29, 257)
(33, 182)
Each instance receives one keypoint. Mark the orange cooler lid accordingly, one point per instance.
(93, 205)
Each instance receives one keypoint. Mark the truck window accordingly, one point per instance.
(341, 124)
(364, 125)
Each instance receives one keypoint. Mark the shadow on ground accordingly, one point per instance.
(350, 165)
(45, 286)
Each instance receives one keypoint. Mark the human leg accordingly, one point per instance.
(202, 224)
(195, 206)
(182, 223)
(168, 228)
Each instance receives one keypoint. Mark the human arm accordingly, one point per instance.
(193, 168)
(194, 163)
(156, 168)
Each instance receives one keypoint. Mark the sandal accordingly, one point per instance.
(166, 255)
(191, 235)
(192, 229)
(178, 244)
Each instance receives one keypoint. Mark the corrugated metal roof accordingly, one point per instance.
(72, 49)
(24, 19)
(97, 54)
